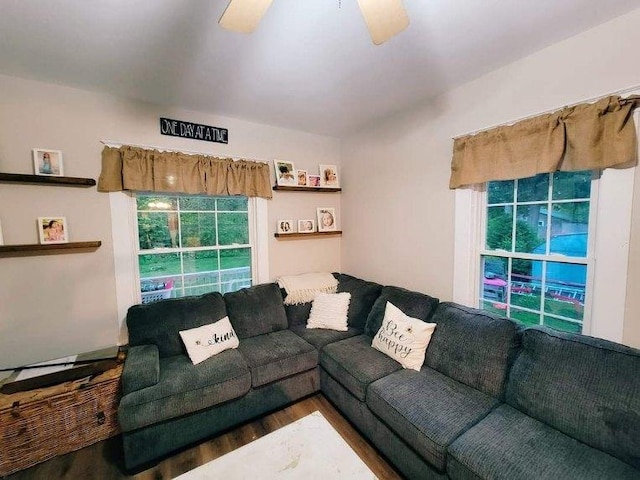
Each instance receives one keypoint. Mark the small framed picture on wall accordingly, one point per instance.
(329, 176)
(285, 173)
(326, 219)
(1, 237)
(301, 175)
(306, 226)
(53, 230)
(285, 226)
(47, 162)
(314, 180)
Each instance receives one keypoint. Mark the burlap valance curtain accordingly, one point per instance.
(138, 169)
(583, 137)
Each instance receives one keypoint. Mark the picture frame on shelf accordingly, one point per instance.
(1, 237)
(48, 162)
(285, 173)
(329, 176)
(53, 230)
(306, 226)
(301, 176)
(285, 226)
(326, 219)
(313, 180)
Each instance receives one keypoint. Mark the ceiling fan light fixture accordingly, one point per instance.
(243, 16)
(384, 18)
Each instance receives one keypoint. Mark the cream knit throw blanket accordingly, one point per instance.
(303, 288)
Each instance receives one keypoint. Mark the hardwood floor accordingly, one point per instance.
(103, 460)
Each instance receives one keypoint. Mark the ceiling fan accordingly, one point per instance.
(384, 18)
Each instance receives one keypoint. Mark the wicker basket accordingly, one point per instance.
(40, 424)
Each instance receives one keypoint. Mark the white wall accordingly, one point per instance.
(400, 219)
(55, 305)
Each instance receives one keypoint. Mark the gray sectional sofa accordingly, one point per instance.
(491, 401)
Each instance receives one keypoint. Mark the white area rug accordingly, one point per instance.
(307, 449)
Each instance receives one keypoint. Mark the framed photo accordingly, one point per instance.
(47, 162)
(313, 180)
(306, 226)
(285, 226)
(326, 219)
(329, 176)
(285, 173)
(53, 230)
(1, 237)
(301, 175)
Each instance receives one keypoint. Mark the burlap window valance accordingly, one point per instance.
(138, 169)
(583, 137)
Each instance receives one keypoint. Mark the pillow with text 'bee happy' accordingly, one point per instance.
(403, 338)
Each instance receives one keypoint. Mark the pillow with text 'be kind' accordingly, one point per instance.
(209, 340)
(403, 338)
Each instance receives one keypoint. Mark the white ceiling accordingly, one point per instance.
(309, 66)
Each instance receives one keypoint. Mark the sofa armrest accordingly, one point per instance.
(141, 368)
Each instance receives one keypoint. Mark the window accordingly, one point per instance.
(536, 254)
(190, 245)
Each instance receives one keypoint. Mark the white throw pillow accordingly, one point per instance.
(329, 310)
(209, 340)
(403, 338)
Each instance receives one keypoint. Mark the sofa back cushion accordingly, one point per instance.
(473, 347)
(413, 304)
(363, 295)
(256, 310)
(585, 387)
(159, 323)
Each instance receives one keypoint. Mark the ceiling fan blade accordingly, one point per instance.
(384, 18)
(243, 16)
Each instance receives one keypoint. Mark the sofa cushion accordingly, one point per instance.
(413, 304)
(585, 387)
(363, 296)
(256, 310)
(158, 323)
(427, 409)
(403, 338)
(319, 337)
(473, 347)
(141, 368)
(184, 388)
(512, 446)
(354, 364)
(277, 355)
(298, 314)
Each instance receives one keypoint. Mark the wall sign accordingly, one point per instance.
(179, 128)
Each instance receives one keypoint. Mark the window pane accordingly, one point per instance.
(235, 258)
(525, 289)
(527, 318)
(198, 229)
(500, 192)
(534, 189)
(156, 202)
(499, 227)
(197, 262)
(157, 230)
(569, 227)
(496, 308)
(570, 185)
(198, 203)
(530, 232)
(158, 265)
(233, 228)
(565, 289)
(562, 325)
(232, 204)
(494, 284)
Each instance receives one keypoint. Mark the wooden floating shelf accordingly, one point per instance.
(47, 180)
(38, 249)
(307, 235)
(284, 188)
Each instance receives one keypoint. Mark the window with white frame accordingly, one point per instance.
(190, 245)
(537, 250)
